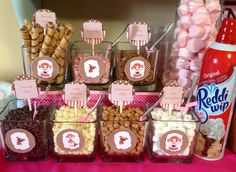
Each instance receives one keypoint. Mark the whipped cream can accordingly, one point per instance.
(216, 93)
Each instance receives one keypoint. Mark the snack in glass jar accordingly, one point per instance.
(74, 133)
(172, 136)
(123, 134)
(24, 136)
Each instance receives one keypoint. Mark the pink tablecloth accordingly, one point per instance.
(227, 164)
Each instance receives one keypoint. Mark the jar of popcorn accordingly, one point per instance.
(24, 132)
(172, 135)
(74, 133)
(122, 133)
(93, 67)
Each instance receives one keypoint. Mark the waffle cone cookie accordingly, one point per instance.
(34, 41)
(25, 35)
(62, 30)
(41, 36)
(54, 41)
(47, 39)
(28, 24)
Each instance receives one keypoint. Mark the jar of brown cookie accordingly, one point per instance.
(137, 67)
(123, 134)
(24, 133)
(45, 52)
(94, 68)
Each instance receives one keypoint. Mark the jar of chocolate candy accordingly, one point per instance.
(93, 67)
(122, 133)
(172, 135)
(24, 133)
(137, 67)
(74, 132)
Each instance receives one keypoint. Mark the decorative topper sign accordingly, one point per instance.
(20, 140)
(44, 68)
(122, 140)
(43, 16)
(70, 140)
(76, 94)
(173, 96)
(138, 34)
(92, 68)
(121, 92)
(92, 32)
(137, 69)
(25, 87)
(174, 142)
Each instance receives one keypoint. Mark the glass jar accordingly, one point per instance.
(24, 138)
(172, 137)
(74, 139)
(94, 69)
(139, 68)
(47, 65)
(122, 134)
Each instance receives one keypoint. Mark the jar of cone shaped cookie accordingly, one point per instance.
(24, 131)
(45, 52)
(137, 67)
(74, 132)
(122, 133)
(93, 67)
(172, 135)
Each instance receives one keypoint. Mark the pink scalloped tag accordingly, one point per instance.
(75, 92)
(138, 32)
(44, 16)
(92, 30)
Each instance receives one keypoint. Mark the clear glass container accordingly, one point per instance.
(122, 134)
(172, 137)
(24, 138)
(140, 72)
(54, 72)
(73, 139)
(96, 69)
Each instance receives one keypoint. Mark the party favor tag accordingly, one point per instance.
(44, 68)
(121, 93)
(137, 69)
(138, 33)
(25, 87)
(43, 16)
(92, 32)
(173, 96)
(76, 94)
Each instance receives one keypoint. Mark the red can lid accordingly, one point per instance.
(227, 32)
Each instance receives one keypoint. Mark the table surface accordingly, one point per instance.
(226, 164)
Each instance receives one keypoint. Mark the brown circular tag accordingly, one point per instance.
(122, 140)
(70, 140)
(174, 142)
(137, 69)
(44, 68)
(20, 140)
(92, 67)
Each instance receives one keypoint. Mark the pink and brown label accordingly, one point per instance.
(43, 16)
(173, 97)
(25, 87)
(75, 92)
(20, 140)
(44, 68)
(70, 140)
(122, 140)
(137, 69)
(92, 68)
(174, 142)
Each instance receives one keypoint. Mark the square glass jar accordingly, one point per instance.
(49, 66)
(139, 68)
(172, 139)
(122, 135)
(94, 68)
(24, 138)
(73, 139)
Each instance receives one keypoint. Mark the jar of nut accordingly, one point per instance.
(24, 132)
(137, 67)
(93, 68)
(74, 133)
(123, 134)
(172, 135)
